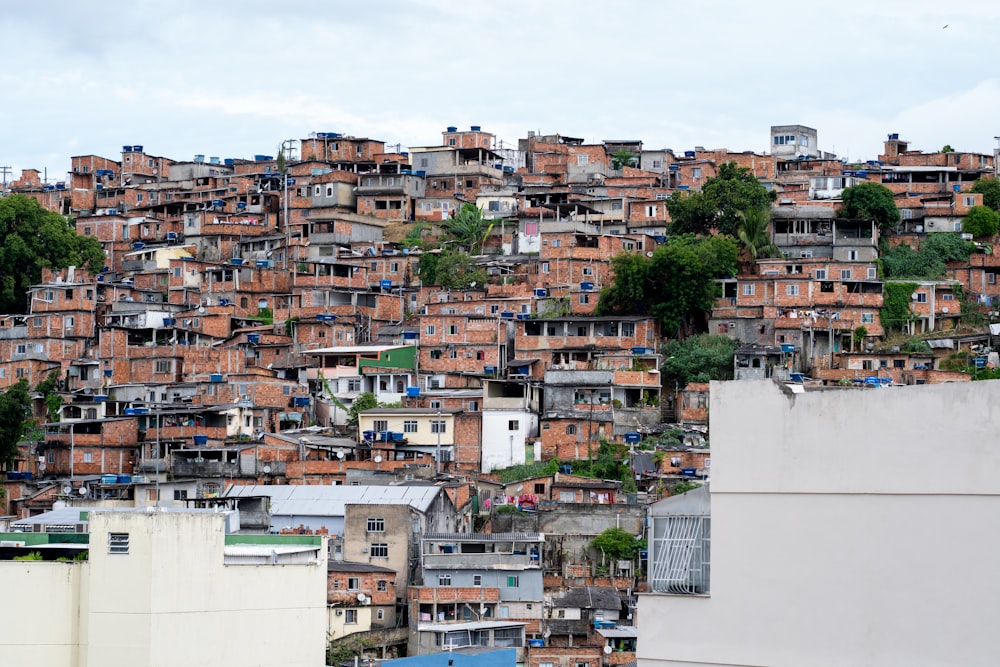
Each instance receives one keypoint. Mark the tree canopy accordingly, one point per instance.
(676, 285)
(698, 359)
(618, 544)
(720, 204)
(989, 188)
(364, 401)
(468, 228)
(870, 201)
(981, 221)
(754, 237)
(32, 238)
(930, 261)
(15, 414)
(451, 269)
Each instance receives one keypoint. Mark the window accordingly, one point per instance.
(852, 255)
(430, 330)
(382, 586)
(21, 348)
(380, 614)
(845, 274)
(477, 580)
(556, 243)
(867, 365)
(376, 525)
(969, 201)
(435, 354)
(180, 494)
(380, 425)
(473, 406)
(679, 554)
(696, 173)
(88, 457)
(748, 289)
(513, 581)
(379, 550)
(584, 298)
(650, 210)
(164, 365)
(286, 390)
(545, 267)
(570, 429)
(452, 329)
(588, 271)
(409, 426)
(153, 495)
(867, 318)
(792, 290)
(350, 616)
(921, 297)
(582, 159)
(944, 297)
(435, 405)
(444, 580)
(353, 583)
(513, 425)
(354, 384)
(899, 363)
(872, 273)
(820, 274)
(438, 426)
(117, 543)
(991, 278)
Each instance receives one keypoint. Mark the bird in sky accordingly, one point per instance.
(945, 26)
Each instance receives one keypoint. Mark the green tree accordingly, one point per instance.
(896, 311)
(364, 401)
(677, 284)
(617, 544)
(622, 158)
(947, 149)
(981, 221)
(15, 415)
(870, 201)
(53, 401)
(700, 358)
(32, 238)
(930, 261)
(720, 204)
(469, 228)
(989, 188)
(457, 270)
(754, 236)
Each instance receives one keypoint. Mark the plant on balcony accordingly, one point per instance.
(34, 555)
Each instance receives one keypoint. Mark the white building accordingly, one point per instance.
(167, 588)
(848, 527)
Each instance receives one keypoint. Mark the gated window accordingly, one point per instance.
(680, 554)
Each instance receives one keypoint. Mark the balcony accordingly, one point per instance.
(195, 468)
(481, 561)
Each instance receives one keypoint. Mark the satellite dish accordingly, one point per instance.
(201, 309)
(362, 598)
(607, 650)
(67, 490)
(378, 458)
(340, 454)
(267, 470)
(914, 296)
(83, 491)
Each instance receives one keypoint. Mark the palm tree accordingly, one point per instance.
(468, 227)
(754, 237)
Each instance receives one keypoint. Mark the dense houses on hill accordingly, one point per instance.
(261, 339)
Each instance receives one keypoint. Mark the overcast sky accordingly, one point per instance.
(234, 79)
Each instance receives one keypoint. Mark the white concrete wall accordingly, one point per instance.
(498, 450)
(849, 527)
(39, 617)
(172, 601)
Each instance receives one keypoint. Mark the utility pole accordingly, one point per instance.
(284, 176)
(5, 171)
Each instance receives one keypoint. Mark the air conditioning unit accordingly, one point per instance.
(340, 612)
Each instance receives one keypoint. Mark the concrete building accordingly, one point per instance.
(166, 588)
(824, 534)
(791, 141)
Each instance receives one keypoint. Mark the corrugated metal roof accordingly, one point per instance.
(241, 550)
(320, 500)
(474, 625)
(620, 631)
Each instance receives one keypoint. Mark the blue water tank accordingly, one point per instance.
(409, 335)
(476, 128)
(137, 148)
(956, 188)
(688, 153)
(229, 162)
(413, 392)
(452, 128)
(126, 149)
(385, 284)
(586, 286)
(541, 291)
(632, 437)
(215, 377)
(201, 439)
